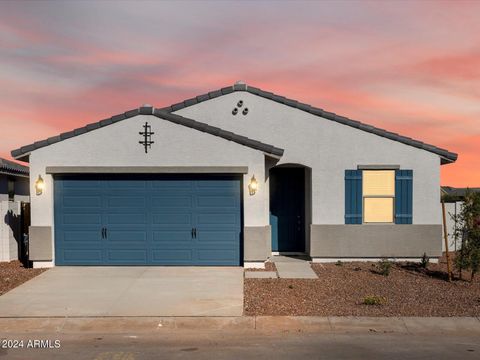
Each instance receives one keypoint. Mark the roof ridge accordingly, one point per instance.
(447, 156)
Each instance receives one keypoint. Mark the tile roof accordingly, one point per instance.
(23, 152)
(446, 156)
(12, 168)
(458, 192)
(167, 114)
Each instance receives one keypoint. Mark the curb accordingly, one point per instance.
(157, 325)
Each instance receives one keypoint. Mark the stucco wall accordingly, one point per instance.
(118, 145)
(328, 148)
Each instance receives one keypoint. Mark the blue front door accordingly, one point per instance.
(147, 220)
(287, 209)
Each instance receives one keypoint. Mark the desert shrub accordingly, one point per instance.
(468, 230)
(339, 263)
(374, 300)
(424, 261)
(384, 266)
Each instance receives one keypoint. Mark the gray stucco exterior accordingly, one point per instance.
(257, 243)
(375, 241)
(302, 138)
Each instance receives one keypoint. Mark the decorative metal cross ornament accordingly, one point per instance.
(147, 137)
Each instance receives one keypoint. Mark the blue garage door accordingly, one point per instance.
(147, 220)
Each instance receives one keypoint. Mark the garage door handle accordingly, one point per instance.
(103, 233)
(195, 232)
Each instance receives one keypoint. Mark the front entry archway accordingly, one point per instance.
(287, 209)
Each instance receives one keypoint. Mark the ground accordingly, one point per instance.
(13, 274)
(341, 289)
(204, 344)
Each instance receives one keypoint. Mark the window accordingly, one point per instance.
(378, 196)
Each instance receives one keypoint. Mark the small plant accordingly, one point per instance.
(424, 261)
(374, 300)
(339, 263)
(468, 230)
(384, 266)
(290, 286)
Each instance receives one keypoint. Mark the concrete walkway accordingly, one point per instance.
(290, 267)
(128, 291)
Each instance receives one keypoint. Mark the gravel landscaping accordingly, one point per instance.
(342, 289)
(13, 274)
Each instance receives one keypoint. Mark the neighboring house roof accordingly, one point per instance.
(446, 156)
(12, 168)
(23, 152)
(457, 192)
(165, 113)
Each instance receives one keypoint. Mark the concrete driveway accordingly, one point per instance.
(128, 291)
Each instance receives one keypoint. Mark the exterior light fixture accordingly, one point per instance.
(39, 185)
(253, 186)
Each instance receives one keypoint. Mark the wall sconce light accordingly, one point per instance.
(39, 185)
(253, 186)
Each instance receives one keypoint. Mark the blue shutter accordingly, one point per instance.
(353, 196)
(403, 196)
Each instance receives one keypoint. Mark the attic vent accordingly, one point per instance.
(239, 105)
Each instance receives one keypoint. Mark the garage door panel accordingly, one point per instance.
(80, 183)
(81, 235)
(176, 183)
(127, 236)
(126, 219)
(218, 256)
(216, 201)
(84, 219)
(83, 256)
(82, 201)
(122, 201)
(172, 236)
(217, 236)
(172, 219)
(171, 202)
(122, 256)
(217, 219)
(173, 256)
(120, 184)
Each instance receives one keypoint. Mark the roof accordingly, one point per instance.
(23, 152)
(458, 192)
(446, 156)
(167, 114)
(12, 168)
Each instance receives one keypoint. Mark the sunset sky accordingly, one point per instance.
(412, 67)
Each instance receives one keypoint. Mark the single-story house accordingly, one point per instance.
(453, 198)
(231, 177)
(14, 198)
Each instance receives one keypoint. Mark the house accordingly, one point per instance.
(231, 177)
(14, 192)
(453, 199)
